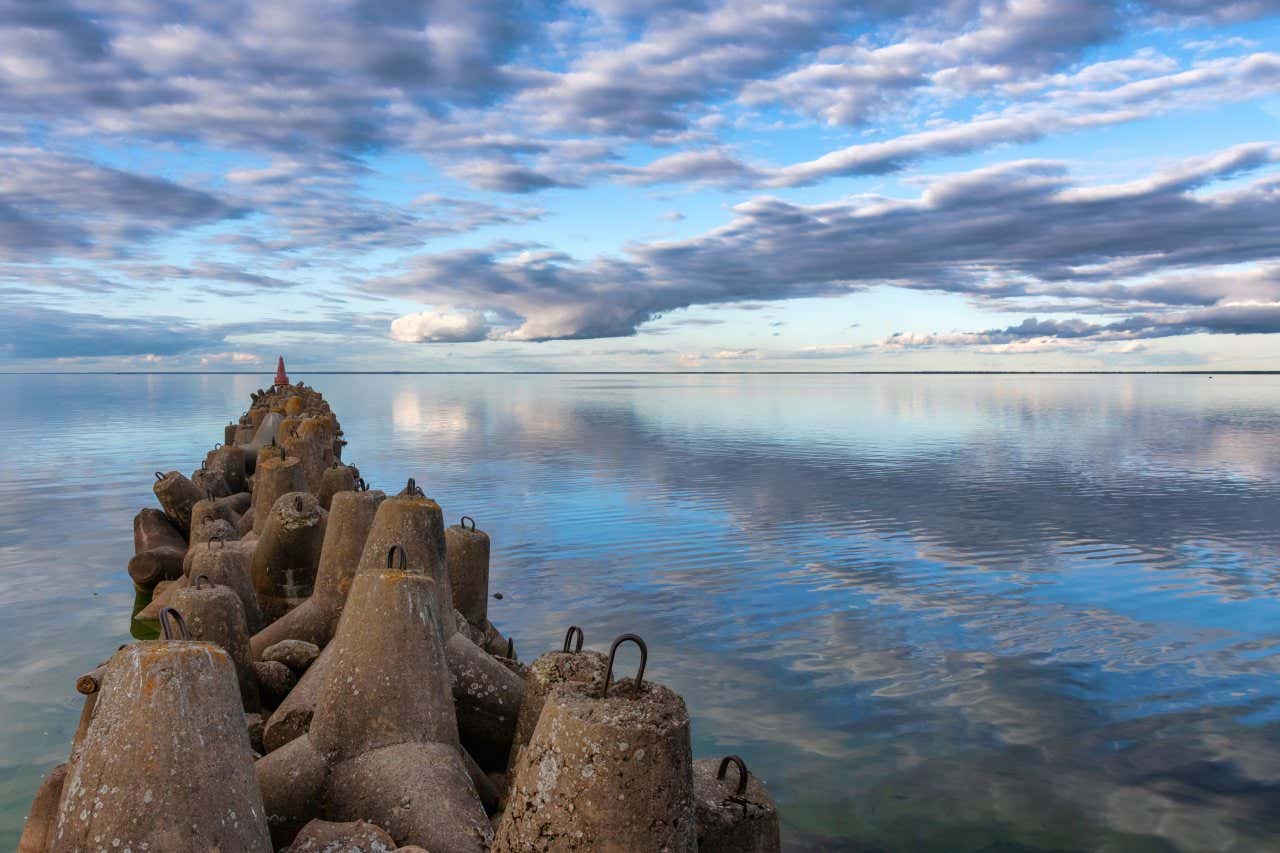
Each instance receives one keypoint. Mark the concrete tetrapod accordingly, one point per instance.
(277, 475)
(549, 670)
(228, 460)
(263, 436)
(210, 482)
(351, 515)
(215, 615)
(166, 763)
(605, 770)
(158, 548)
(292, 718)
(468, 558)
(227, 565)
(736, 814)
(337, 478)
(487, 699)
(177, 495)
(37, 834)
(383, 744)
(416, 524)
(288, 553)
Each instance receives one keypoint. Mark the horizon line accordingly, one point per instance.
(651, 372)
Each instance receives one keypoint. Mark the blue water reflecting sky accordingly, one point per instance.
(933, 612)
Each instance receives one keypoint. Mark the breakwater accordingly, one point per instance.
(327, 671)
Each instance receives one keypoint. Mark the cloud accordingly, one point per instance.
(30, 332)
(439, 327)
(1004, 232)
(53, 205)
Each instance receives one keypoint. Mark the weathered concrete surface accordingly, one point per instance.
(486, 697)
(418, 792)
(416, 524)
(275, 681)
(337, 478)
(545, 673)
(611, 773)
(730, 821)
(228, 564)
(295, 654)
(228, 460)
(288, 552)
(387, 681)
(276, 476)
(177, 495)
(166, 762)
(293, 718)
(262, 437)
(383, 740)
(214, 614)
(255, 723)
(292, 780)
(42, 818)
(468, 560)
(211, 482)
(159, 547)
(350, 518)
(357, 836)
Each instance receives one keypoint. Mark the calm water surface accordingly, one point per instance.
(934, 613)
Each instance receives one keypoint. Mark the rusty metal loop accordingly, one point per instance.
(498, 596)
(404, 558)
(159, 475)
(202, 577)
(169, 618)
(218, 444)
(204, 466)
(361, 485)
(644, 658)
(297, 502)
(742, 772)
(412, 490)
(465, 519)
(511, 649)
(568, 637)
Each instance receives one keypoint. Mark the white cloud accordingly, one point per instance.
(439, 327)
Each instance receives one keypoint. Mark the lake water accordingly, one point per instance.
(933, 613)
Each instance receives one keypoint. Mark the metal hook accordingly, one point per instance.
(742, 772)
(465, 519)
(568, 637)
(361, 485)
(404, 559)
(511, 649)
(411, 489)
(202, 577)
(644, 657)
(168, 619)
(159, 475)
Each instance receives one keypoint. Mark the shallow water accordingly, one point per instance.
(951, 613)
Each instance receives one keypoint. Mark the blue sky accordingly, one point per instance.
(957, 184)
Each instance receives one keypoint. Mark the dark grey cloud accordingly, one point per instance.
(292, 76)
(997, 233)
(32, 332)
(58, 205)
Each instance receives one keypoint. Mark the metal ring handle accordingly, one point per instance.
(644, 658)
(404, 558)
(511, 649)
(568, 637)
(742, 772)
(361, 485)
(202, 577)
(169, 618)
(412, 490)
(159, 475)
(463, 522)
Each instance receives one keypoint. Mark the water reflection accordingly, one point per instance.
(933, 612)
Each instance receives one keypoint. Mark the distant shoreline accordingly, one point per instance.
(649, 372)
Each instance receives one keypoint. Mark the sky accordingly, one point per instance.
(623, 185)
